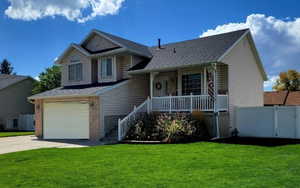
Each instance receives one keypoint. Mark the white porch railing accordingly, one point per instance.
(187, 103)
(124, 124)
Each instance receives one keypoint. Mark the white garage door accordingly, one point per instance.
(66, 120)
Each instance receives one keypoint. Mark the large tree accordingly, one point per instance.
(6, 67)
(288, 81)
(49, 79)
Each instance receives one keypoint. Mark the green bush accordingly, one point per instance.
(167, 127)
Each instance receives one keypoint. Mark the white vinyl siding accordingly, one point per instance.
(121, 100)
(222, 79)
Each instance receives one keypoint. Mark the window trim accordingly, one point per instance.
(113, 69)
(74, 63)
(189, 74)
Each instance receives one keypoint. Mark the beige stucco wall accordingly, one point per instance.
(86, 69)
(245, 80)
(97, 43)
(13, 100)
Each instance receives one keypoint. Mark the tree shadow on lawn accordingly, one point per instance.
(271, 142)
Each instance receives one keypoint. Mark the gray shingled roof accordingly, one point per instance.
(76, 91)
(192, 52)
(136, 47)
(8, 80)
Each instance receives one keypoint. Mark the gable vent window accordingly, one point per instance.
(106, 68)
(75, 72)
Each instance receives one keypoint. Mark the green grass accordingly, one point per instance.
(8, 134)
(177, 165)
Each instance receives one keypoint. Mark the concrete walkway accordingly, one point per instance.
(21, 143)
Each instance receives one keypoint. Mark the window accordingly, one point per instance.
(191, 83)
(106, 67)
(75, 72)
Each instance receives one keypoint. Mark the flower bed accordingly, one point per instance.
(166, 128)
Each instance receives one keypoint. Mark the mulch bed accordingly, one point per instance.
(142, 142)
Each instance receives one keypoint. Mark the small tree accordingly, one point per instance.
(6, 67)
(288, 81)
(48, 80)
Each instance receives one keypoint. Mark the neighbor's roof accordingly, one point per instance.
(8, 80)
(191, 52)
(78, 90)
(275, 97)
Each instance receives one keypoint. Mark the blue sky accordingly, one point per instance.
(34, 32)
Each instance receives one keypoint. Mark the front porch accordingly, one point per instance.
(187, 89)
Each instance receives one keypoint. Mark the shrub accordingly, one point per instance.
(176, 127)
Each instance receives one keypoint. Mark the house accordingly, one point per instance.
(106, 76)
(282, 98)
(14, 90)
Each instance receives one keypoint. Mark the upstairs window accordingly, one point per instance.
(75, 72)
(191, 83)
(106, 68)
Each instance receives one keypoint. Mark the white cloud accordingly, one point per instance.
(277, 40)
(270, 83)
(37, 78)
(74, 10)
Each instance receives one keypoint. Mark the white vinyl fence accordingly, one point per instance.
(269, 122)
(23, 122)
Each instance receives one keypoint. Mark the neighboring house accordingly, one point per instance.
(105, 76)
(14, 90)
(282, 98)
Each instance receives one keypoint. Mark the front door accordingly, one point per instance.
(161, 86)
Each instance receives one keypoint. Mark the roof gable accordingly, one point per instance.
(96, 44)
(131, 46)
(247, 35)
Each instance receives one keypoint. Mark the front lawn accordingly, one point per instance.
(176, 165)
(8, 134)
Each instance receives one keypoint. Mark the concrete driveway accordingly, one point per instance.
(21, 143)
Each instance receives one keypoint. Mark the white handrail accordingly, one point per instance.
(124, 124)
